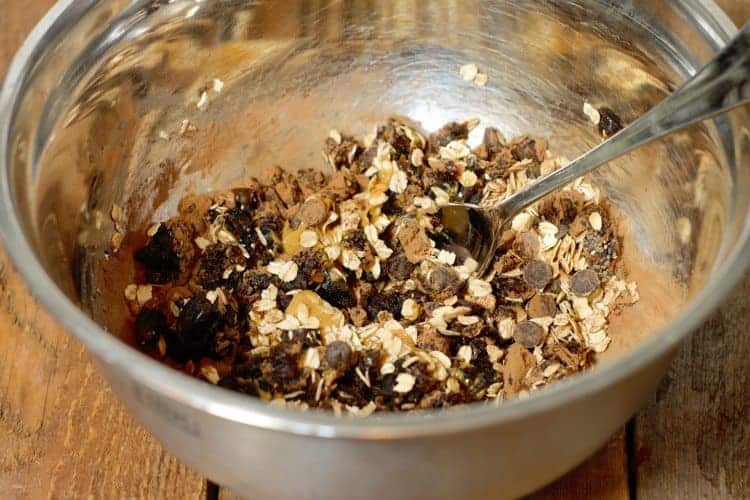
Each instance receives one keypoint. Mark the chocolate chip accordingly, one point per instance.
(584, 283)
(338, 355)
(528, 334)
(149, 324)
(537, 274)
(542, 305)
(609, 123)
(526, 245)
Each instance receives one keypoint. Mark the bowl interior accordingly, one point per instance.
(102, 112)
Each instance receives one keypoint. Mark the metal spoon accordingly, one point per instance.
(721, 85)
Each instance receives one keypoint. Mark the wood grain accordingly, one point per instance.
(63, 434)
(604, 476)
(693, 441)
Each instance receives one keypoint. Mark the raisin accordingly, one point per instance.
(159, 258)
(197, 326)
(211, 267)
(149, 325)
(337, 293)
(377, 302)
(282, 367)
(529, 148)
(239, 223)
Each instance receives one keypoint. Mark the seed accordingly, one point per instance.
(584, 283)
(528, 334)
(537, 274)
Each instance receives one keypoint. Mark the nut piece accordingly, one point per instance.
(528, 334)
(584, 283)
(416, 244)
(542, 305)
(537, 274)
(313, 212)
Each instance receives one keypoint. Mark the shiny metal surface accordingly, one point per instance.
(85, 101)
(722, 85)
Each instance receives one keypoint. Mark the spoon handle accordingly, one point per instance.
(723, 84)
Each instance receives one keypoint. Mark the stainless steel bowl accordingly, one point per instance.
(90, 116)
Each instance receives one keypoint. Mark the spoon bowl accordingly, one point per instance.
(720, 86)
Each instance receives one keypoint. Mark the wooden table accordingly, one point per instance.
(63, 433)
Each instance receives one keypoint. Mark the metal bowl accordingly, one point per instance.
(91, 114)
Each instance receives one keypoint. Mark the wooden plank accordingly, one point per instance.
(604, 476)
(693, 441)
(63, 433)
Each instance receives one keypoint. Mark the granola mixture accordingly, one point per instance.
(311, 290)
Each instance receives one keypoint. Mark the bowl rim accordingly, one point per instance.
(241, 409)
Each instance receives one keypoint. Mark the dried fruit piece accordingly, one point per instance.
(149, 325)
(159, 258)
(584, 283)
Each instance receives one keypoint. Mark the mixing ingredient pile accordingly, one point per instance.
(314, 290)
